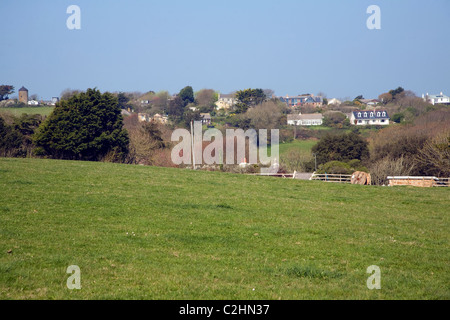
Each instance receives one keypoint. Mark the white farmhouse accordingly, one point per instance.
(311, 119)
(436, 98)
(225, 101)
(369, 117)
(334, 101)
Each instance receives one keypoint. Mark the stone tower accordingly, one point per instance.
(23, 95)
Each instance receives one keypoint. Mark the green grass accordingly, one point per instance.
(301, 145)
(45, 111)
(141, 232)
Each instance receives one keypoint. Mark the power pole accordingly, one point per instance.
(192, 145)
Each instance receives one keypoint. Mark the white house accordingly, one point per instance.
(206, 118)
(370, 102)
(369, 117)
(33, 103)
(334, 101)
(160, 118)
(225, 101)
(311, 119)
(144, 117)
(436, 98)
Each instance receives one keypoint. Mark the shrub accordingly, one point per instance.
(296, 160)
(87, 126)
(388, 166)
(341, 147)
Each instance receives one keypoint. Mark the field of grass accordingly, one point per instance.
(141, 232)
(45, 111)
(301, 145)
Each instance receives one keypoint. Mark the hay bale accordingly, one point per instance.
(361, 178)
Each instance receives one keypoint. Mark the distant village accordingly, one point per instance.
(370, 111)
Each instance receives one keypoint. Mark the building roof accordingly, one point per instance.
(366, 101)
(311, 116)
(23, 89)
(434, 96)
(303, 99)
(371, 114)
(205, 115)
(308, 116)
(227, 96)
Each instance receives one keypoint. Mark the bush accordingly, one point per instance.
(296, 160)
(341, 147)
(388, 166)
(16, 135)
(10, 140)
(433, 159)
(87, 126)
(339, 167)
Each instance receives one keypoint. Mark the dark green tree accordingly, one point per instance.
(175, 109)
(189, 116)
(123, 100)
(187, 95)
(152, 129)
(248, 98)
(10, 140)
(341, 147)
(87, 126)
(396, 92)
(5, 91)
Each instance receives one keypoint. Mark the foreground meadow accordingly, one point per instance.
(155, 233)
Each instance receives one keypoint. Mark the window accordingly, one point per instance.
(371, 114)
(384, 114)
(359, 114)
(378, 114)
(365, 114)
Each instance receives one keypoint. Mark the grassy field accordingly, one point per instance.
(141, 232)
(301, 145)
(45, 111)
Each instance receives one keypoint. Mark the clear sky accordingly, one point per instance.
(289, 46)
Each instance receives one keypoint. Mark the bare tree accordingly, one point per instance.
(296, 160)
(434, 157)
(68, 93)
(387, 166)
(265, 115)
(205, 98)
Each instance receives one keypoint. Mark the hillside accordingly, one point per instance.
(141, 232)
(44, 111)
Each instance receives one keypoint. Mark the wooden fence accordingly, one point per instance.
(340, 178)
(442, 182)
(347, 178)
(418, 181)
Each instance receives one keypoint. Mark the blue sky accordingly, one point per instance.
(289, 46)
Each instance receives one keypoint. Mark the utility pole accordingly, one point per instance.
(315, 162)
(192, 145)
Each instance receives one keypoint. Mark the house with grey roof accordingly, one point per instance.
(301, 100)
(436, 98)
(311, 119)
(206, 118)
(369, 117)
(226, 101)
